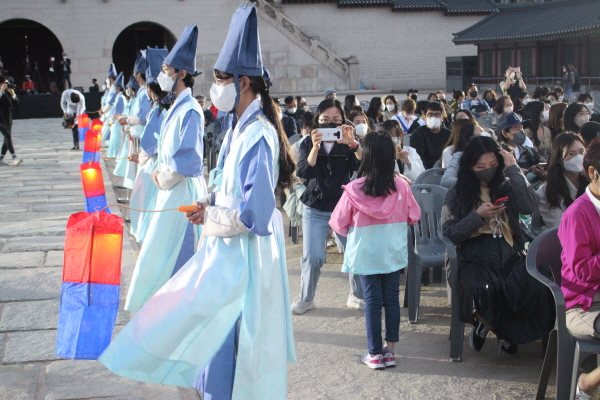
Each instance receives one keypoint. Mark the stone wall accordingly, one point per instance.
(396, 50)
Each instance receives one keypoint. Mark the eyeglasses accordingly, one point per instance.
(327, 120)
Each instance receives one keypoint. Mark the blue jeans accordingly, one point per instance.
(381, 290)
(315, 226)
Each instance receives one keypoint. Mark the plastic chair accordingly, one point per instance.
(573, 97)
(425, 249)
(569, 351)
(431, 176)
(437, 164)
(457, 327)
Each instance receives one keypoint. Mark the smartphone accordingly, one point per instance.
(331, 134)
(543, 165)
(501, 202)
(516, 69)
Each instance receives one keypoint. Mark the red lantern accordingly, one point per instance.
(91, 179)
(83, 121)
(96, 125)
(93, 244)
(93, 139)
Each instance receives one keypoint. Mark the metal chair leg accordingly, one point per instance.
(414, 292)
(549, 361)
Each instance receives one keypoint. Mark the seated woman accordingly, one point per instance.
(576, 115)
(590, 131)
(510, 129)
(495, 291)
(535, 115)
(564, 181)
(466, 130)
(504, 105)
(579, 235)
(408, 161)
(556, 119)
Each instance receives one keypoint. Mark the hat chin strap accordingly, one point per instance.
(170, 98)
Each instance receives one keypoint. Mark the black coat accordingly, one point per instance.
(6, 106)
(61, 66)
(325, 179)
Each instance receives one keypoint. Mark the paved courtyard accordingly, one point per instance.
(37, 197)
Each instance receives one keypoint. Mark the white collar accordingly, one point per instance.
(184, 93)
(251, 109)
(593, 198)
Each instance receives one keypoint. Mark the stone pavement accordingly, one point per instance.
(37, 197)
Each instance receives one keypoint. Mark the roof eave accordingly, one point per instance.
(575, 33)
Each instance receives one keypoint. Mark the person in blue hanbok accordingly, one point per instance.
(107, 101)
(116, 134)
(223, 322)
(171, 240)
(123, 158)
(143, 196)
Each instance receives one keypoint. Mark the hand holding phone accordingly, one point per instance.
(501, 202)
(330, 134)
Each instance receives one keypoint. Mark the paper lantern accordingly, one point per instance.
(93, 244)
(90, 290)
(93, 142)
(91, 179)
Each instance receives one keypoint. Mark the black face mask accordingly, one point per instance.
(473, 93)
(329, 125)
(414, 97)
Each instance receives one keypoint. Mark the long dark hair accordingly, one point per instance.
(393, 99)
(374, 110)
(455, 139)
(155, 88)
(556, 189)
(349, 103)
(532, 112)
(377, 166)
(328, 103)
(555, 121)
(390, 124)
(540, 91)
(273, 113)
(570, 114)
(468, 197)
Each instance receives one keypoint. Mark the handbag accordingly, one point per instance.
(68, 121)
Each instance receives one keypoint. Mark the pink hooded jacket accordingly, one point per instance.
(376, 227)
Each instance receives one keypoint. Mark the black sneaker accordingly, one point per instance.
(75, 148)
(507, 347)
(477, 336)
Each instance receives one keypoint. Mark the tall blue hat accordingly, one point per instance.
(154, 58)
(133, 84)
(183, 54)
(112, 71)
(120, 81)
(241, 54)
(140, 64)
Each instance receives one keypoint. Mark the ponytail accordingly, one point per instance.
(273, 114)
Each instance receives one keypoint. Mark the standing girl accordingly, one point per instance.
(374, 212)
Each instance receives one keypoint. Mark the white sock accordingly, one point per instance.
(582, 395)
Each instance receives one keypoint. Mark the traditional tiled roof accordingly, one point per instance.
(449, 7)
(529, 22)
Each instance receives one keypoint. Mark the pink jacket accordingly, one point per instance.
(579, 235)
(376, 227)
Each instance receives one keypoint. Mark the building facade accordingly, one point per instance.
(307, 47)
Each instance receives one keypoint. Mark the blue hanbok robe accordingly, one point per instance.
(143, 196)
(239, 280)
(122, 161)
(107, 102)
(139, 111)
(116, 131)
(171, 239)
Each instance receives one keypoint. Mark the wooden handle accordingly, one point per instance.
(188, 208)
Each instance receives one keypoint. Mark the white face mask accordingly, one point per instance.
(165, 82)
(526, 101)
(223, 97)
(560, 98)
(582, 119)
(508, 110)
(390, 107)
(291, 110)
(545, 115)
(397, 140)
(590, 106)
(575, 164)
(434, 122)
(382, 107)
(103, 87)
(361, 129)
(512, 76)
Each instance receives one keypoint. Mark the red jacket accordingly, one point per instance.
(28, 85)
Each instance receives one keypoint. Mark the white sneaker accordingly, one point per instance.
(17, 161)
(299, 307)
(373, 362)
(355, 302)
(389, 359)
